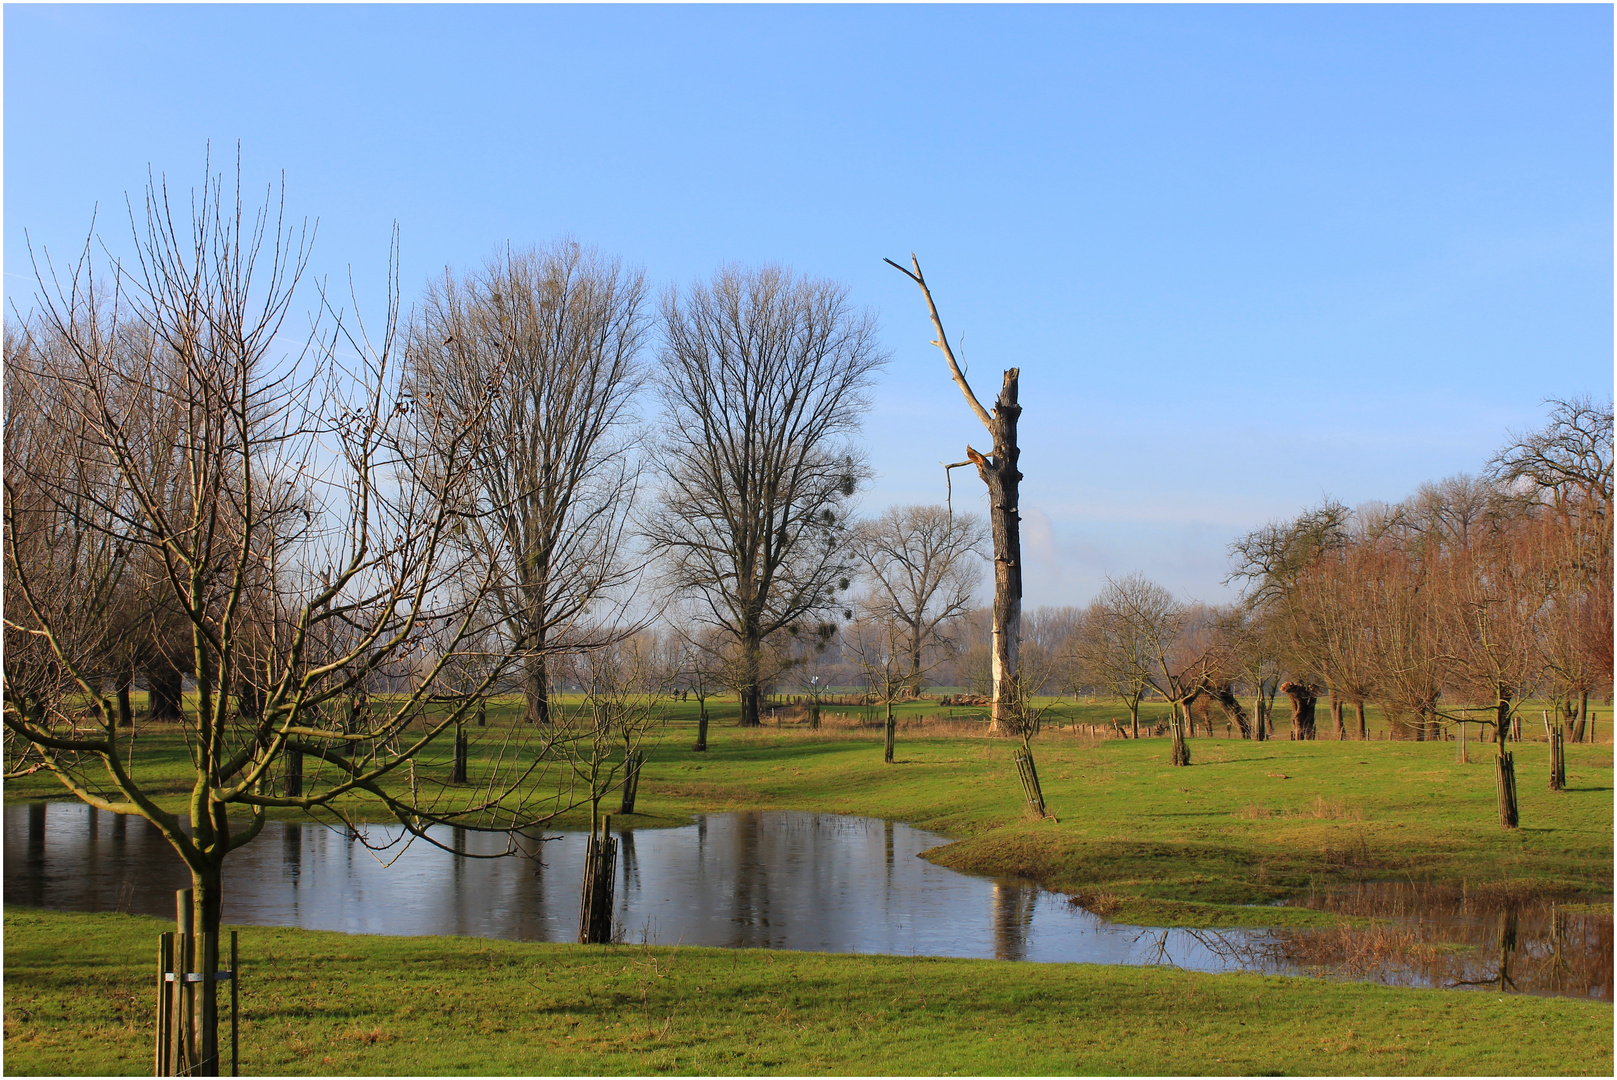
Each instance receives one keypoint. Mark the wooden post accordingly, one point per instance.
(180, 1056)
(600, 867)
(1030, 781)
(165, 1004)
(235, 1007)
(1557, 762)
(1459, 754)
(208, 1051)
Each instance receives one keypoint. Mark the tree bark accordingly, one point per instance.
(163, 697)
(892, 730)
(536, 691)
(1364, 729)
(1303, 700)
(751, 692)
(701, 722)
(1004, 482)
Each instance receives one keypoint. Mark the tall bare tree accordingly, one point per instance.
(921, 566)
(999, 472)
(763, 383)
(543, 346)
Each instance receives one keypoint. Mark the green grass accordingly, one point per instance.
(326, 1003)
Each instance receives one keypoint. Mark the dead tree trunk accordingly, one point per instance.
(999, 472)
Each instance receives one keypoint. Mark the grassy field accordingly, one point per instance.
(323, 1003)
(1137, 839)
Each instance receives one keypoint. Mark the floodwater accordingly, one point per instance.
(782, 880)
(1428, 935)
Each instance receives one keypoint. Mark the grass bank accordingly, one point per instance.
(325, 1003)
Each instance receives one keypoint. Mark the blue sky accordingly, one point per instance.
(1244, 256)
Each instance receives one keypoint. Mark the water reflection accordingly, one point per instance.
(818, 882)
(778, 880)
(1437, 936)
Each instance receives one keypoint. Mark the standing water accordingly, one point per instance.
(782, 880)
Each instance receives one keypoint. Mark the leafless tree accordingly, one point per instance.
(280, 506)
(877, 642)
(763, 382)
(1000, 473)
(1112, 655)
(921, 565)
(543, 347)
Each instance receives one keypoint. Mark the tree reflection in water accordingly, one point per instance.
(1426, 935)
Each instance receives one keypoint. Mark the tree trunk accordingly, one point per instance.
(163, 696)
(1303, 700)
(751, 692)
(1364, 729)
(1004, 492)
(1134, 716)
(701, 722)
(892, 731)
(206, 903)
(536, 691)
(1258, 732)
(1505, 782)
(1181, 751)
(126, 711)
(1583, 716)
(1502, 719)
(1336, 717)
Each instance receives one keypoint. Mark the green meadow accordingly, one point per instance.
(1133, 837)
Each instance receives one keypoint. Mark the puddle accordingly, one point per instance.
(781, 880)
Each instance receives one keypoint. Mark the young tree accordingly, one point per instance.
(287, 515)
(999, 472)
(877, 643)
(1112, 656)
(543, 347)
(921, 563)
(762, 382)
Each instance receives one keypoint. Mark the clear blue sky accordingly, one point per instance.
(1244, 256)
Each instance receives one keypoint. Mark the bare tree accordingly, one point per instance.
(1113, 653)
(999, 472)
(543, 346)
(762, 382)
(283, 512)
(921, 565)
(877, 642)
